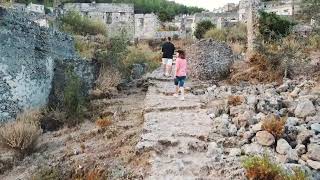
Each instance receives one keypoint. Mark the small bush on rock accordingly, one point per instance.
(262, 168)
(20, 135)
(235, 100)
(274, 125)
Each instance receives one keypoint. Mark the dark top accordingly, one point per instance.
(168, 50)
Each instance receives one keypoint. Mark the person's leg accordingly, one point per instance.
(169, 67)
(181, 86)
(176, 83)
(164, 65)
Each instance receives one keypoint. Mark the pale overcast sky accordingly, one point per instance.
(207, 4)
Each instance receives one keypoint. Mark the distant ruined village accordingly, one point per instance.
(119, 17)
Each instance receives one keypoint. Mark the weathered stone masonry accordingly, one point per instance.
(116, 16)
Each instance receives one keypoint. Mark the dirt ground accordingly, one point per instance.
(88, 150)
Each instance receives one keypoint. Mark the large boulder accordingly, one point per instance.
(33, 64)
(209, 60)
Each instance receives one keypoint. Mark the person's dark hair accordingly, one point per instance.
(169, 38)
(182, 54)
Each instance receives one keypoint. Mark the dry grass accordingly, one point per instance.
(95, 175)
(262, 168)
(274, 125)
(20, 135)
(108, 78)
(31, 116)
(237, 47)
(257, 70)
(235, 100)
(103, 122)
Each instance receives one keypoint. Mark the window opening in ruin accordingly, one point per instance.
(141, 22)
(109, 18)
(122, 16)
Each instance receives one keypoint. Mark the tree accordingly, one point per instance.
(272, 26)
(202, 28)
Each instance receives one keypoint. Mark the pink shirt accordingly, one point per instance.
(181, 67)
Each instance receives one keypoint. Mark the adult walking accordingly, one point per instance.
(167, 56)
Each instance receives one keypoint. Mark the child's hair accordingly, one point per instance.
(182, 54)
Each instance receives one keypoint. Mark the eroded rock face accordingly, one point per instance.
(209, 60)
(31, 57)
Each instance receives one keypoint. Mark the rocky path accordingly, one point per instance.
(176, 131)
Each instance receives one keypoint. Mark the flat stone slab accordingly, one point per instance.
(160, 98)
(176, 132)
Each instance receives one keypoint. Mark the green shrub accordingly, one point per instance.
(262, 168)
(85, 48)
(117, 49)
(141, 55)
(202, 27)
(314, 41)
(216, 34)
(47, 173)
(75, 23)
(272, 26)
(237, 33)
(73, 99)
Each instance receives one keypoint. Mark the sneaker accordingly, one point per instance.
(182, 98)
(175, 95)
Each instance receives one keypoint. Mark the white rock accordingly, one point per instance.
(283, 147)
(265, 138)
(257, 127)
(314, 164)
(316, 127)
(314, 152)
(252, 149)
(304, 136)
(305, 108)
(232, 130)
(214, 150)
(295, 92)
(301, 149)
(235, 152)
(292, 121)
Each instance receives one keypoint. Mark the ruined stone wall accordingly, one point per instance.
(146, 26)
(30, 59)
(117, 17)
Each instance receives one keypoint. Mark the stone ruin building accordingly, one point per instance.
(117, 17)
(146, 26)
(283, 8)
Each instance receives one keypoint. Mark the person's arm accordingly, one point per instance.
(177, 66)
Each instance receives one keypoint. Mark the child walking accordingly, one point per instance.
(181, 73)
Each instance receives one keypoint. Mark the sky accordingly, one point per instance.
(207, 4)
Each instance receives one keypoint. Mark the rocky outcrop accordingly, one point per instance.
(209, 60)
(33, 62)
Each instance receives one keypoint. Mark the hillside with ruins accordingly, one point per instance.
(158, 90)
